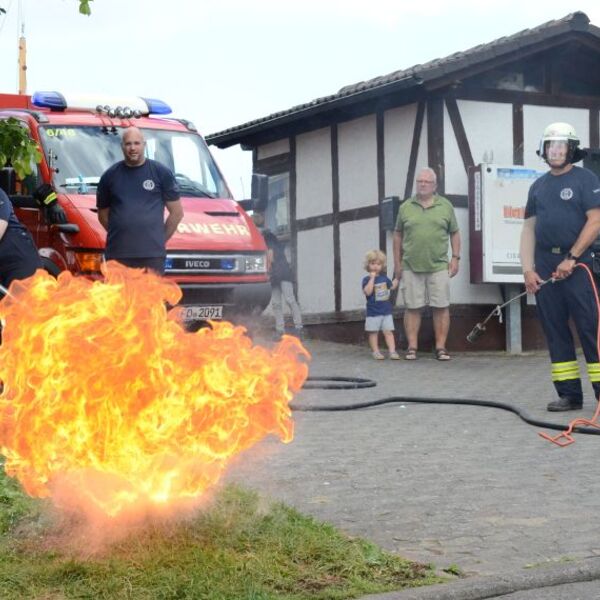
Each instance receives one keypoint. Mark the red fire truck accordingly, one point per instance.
(217, 256)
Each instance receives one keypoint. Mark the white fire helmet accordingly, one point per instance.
(561, 132)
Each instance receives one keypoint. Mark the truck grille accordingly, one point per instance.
(206, 295)
(186, 264)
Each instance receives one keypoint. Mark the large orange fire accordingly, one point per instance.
(106, 396)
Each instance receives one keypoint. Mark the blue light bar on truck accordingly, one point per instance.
(132, 104)
(51, 100)
(157, 107)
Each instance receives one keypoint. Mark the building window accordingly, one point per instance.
(277, 215)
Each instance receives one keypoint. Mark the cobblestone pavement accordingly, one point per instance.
(463, 486)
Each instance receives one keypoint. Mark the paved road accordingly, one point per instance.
(462, 486)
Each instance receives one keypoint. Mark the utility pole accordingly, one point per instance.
(22, 62)
(22, 54)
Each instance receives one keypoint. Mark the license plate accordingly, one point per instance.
(195, 313)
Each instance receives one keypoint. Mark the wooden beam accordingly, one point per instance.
(280, 163)
(335, 184)
(532, 98)
(458, 200)
(594, 126)
(293, 211)
(414, 149)
(316, 222)
(380, 132)
(460, 134)
(435, 139)
(344, 216)
(518, 135)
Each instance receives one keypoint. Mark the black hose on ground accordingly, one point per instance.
(339, 383)
(353, 382)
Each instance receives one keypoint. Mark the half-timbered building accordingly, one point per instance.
(335, 163)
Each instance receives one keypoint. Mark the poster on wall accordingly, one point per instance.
(497, 199)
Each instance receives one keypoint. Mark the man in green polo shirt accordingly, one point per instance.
(425, 224)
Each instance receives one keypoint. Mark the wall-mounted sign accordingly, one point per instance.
(497, 199)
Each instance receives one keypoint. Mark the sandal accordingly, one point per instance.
(378, 356)
(411, 354)
(442, 354)
(394, 356)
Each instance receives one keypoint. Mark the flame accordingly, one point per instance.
(106, 394)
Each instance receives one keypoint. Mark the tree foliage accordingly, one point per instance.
(84, 7)
(17, 148)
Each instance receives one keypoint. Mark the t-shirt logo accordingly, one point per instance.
(382, 292)
(566, 193)
(148, 185)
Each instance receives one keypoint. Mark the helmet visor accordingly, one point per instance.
(557, 151)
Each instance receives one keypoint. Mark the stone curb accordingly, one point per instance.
(480, 588)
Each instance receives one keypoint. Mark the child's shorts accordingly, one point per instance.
(379, 323)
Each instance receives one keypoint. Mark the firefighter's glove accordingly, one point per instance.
(46, 197)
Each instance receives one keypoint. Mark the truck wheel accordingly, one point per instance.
(50, 267)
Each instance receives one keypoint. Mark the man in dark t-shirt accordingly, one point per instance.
(18, 255)
(131, 199)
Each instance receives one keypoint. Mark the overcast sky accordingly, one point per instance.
(221, 63)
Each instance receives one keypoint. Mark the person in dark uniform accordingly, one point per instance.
(562, 220)
(131, 198)
(18, 255)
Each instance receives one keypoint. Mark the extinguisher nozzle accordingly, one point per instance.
(476, 333)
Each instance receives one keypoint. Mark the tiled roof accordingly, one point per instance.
(411, 77)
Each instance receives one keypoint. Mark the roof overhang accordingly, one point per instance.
(411, 82)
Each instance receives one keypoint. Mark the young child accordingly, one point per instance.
(377, 289)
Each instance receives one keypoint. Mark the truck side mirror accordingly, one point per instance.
(260, 191)
(66, 227)
(247, 205)
(8, 180)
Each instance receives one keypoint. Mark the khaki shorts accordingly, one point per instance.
(421, 289)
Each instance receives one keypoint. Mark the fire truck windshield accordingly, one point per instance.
(78, 156)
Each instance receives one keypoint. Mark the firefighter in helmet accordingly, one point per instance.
(562, 221)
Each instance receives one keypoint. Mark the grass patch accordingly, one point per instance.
(237, 549)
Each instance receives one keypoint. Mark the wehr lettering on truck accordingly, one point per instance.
(217, 256)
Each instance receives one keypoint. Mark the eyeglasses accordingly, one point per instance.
(425, 181)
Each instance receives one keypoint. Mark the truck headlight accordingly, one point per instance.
(87, 263)
(255, 264)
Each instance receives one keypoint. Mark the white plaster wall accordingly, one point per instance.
(462, 291)
(274, 148)
(315, 270)
(489, 130)
(398, 128)
(537, 118)
(357, 155)
(356, 239)
(313, 174)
